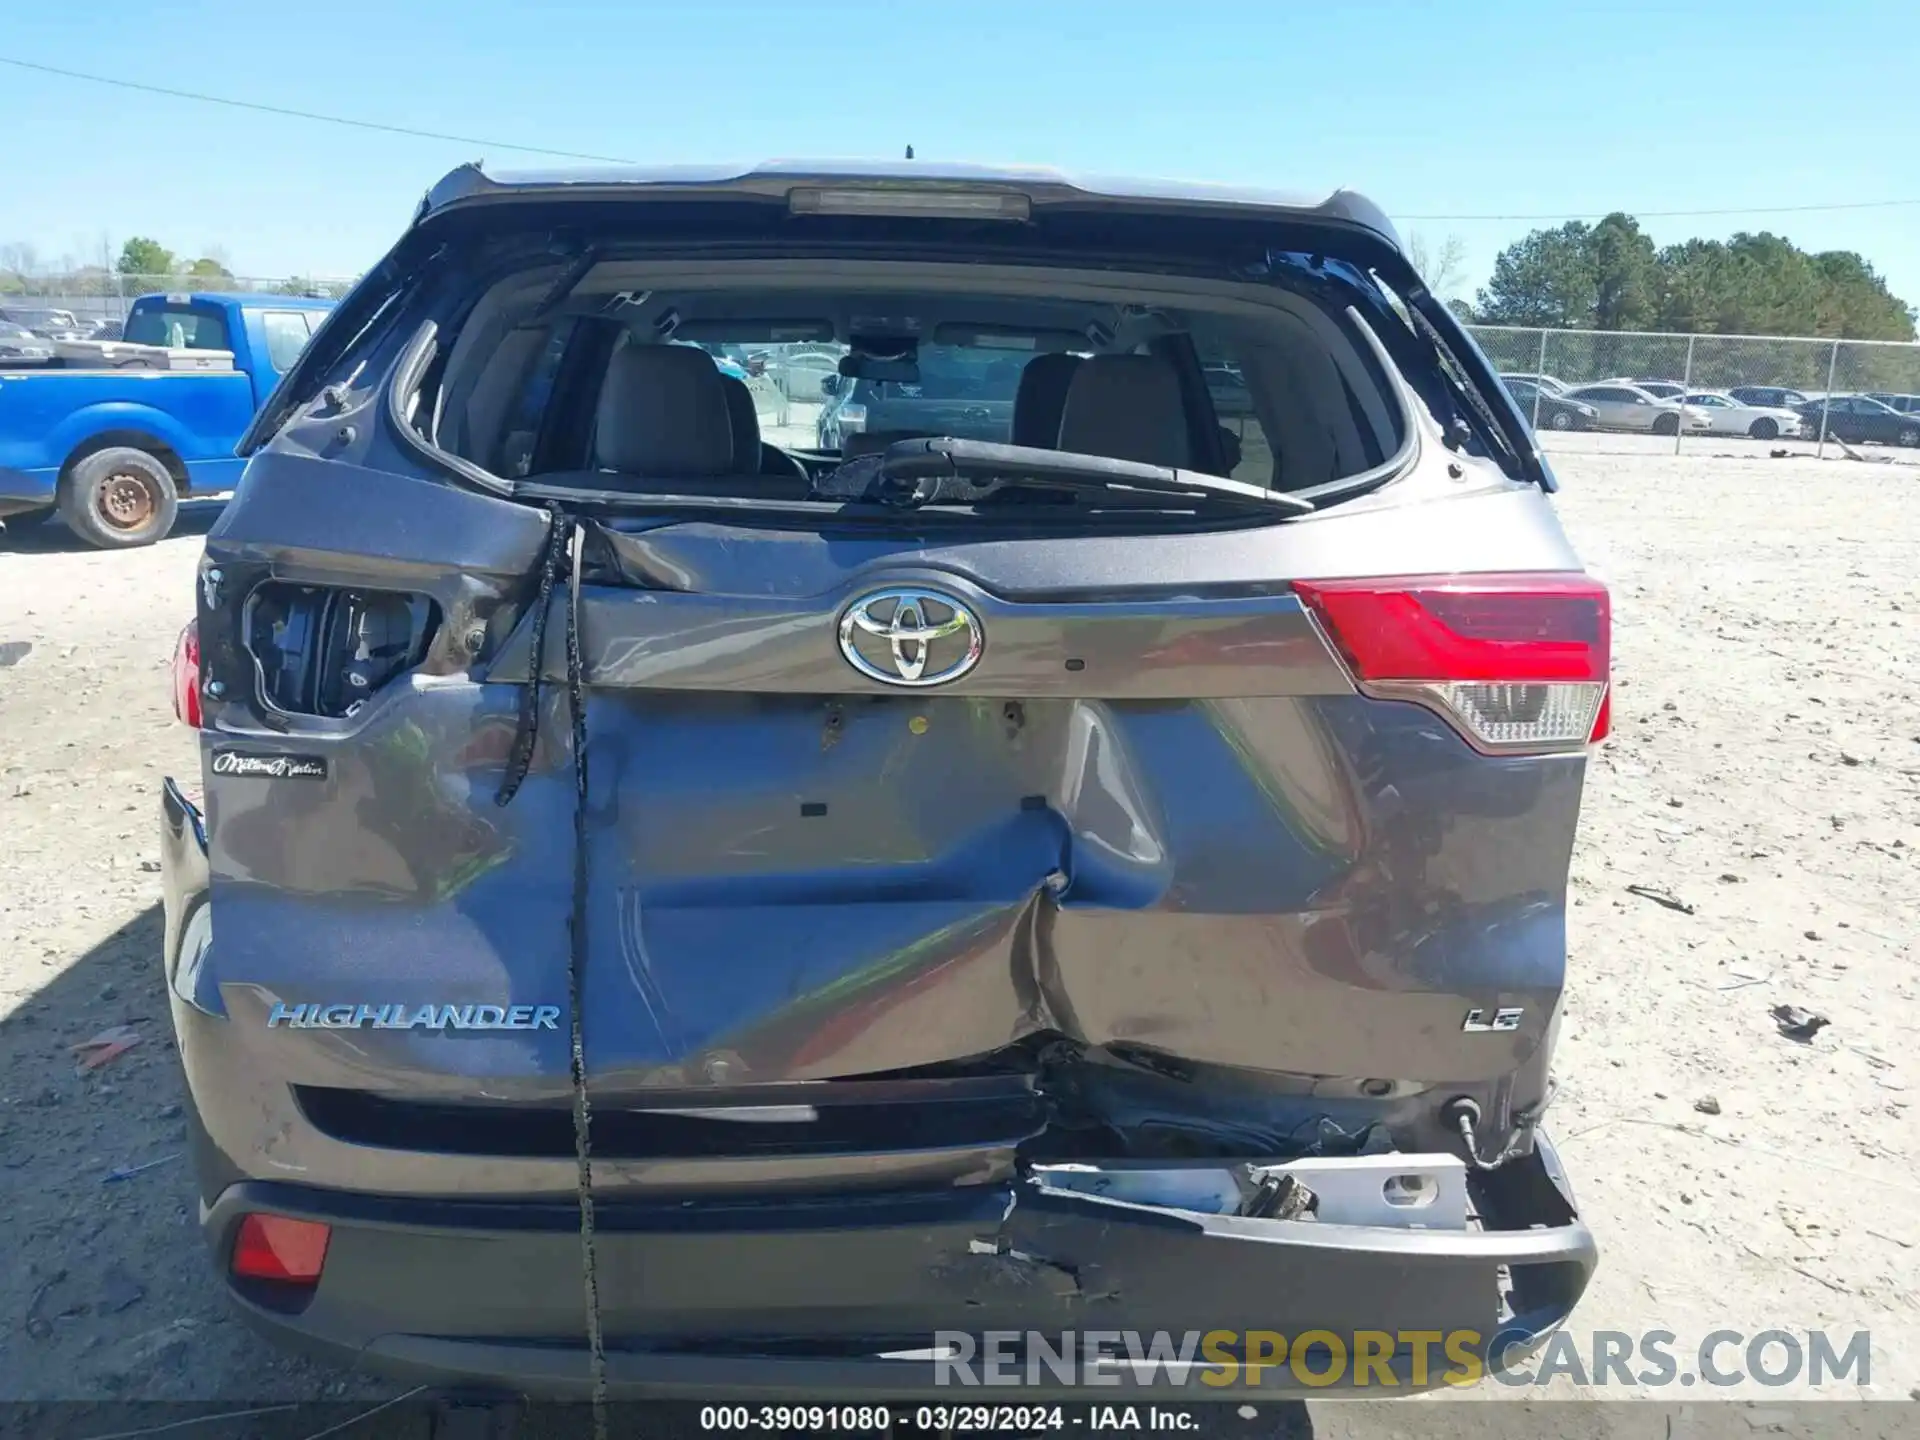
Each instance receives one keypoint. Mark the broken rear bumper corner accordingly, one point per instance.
(822, 1296)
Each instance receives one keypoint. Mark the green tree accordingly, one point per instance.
(1690, 278)
(209, 269)
(1625, 283)
(1548, 279)
(141, 256)
(1610, 277)
(1854, 301)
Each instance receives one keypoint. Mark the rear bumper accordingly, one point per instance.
(22, 490)
(805, 1295)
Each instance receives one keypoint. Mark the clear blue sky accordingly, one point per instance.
(1468, 107)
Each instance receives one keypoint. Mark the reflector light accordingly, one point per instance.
(277, 1247)
(186, 675)
(1516, 663)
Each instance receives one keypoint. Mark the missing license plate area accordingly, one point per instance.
(1415, 1191)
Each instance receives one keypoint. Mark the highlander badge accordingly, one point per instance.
(414, 1017)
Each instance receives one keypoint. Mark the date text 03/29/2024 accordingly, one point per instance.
(949, 1419)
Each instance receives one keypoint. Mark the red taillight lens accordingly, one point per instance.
(186, 675)
(1518, 663)
(274, 1247)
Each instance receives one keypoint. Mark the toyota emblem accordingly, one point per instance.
(917, 638)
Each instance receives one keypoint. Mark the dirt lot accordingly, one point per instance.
(1764, 780)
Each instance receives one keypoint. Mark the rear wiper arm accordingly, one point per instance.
(911, 472)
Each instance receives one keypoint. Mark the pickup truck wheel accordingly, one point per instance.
(119, 498)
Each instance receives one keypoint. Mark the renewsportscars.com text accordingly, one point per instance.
(1414, 1359)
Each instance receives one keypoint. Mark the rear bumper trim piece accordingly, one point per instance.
(811, 1295)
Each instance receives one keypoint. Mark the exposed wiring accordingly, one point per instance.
(519, 762)
(576, 967)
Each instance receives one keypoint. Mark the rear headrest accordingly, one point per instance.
(1127, 407)
(664, 411)
(1042, 398)
(746, 421)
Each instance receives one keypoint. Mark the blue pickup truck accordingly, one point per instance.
(111, 451)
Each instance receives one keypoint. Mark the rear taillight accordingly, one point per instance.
(326, 652)
(279, 1248)
(186, 675)
(1517, 663)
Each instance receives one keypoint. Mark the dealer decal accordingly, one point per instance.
(269, 767)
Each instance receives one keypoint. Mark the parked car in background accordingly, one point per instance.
(1727, 416)
(1548, 410)
(1659, 389)
(20, 346)
(1905, 404)
(106, 330)
(1627, 407)
(1227, 387)
(963, 392)
(114, 450)
(1552, 384)
(799, 370)
(48, 324)
(1860, 419)
(1768, 397)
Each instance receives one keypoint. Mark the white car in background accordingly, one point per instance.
(1727, 416)
(1627, 407)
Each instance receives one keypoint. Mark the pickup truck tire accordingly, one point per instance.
(118, 498)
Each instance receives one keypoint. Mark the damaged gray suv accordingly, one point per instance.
(667, 909)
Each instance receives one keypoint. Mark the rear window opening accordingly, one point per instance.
(177, 325)
(753, 380)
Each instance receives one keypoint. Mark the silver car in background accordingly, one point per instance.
(1628, 407)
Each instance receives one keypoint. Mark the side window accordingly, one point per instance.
(287, 334)
(178, 327)
(1234, 410)
(536, 388)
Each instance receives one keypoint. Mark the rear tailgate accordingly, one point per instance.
(1152, 818)
(1174, 811)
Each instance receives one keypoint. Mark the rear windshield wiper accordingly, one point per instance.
(943, 470)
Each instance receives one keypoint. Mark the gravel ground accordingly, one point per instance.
(1763, 781)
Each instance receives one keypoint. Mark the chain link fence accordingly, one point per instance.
(86, 297)
(1854, 398)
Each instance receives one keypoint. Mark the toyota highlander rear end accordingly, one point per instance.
(672, 909)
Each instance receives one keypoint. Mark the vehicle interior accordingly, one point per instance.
(618, 387)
